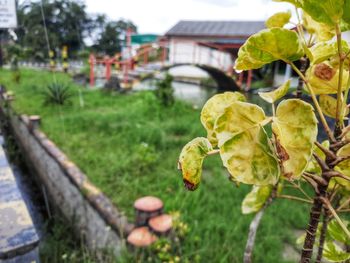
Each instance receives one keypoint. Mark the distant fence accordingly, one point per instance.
(75, 65)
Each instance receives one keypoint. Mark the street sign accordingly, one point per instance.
(8, 16)
(143, 38)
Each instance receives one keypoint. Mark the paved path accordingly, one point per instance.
(18, 237)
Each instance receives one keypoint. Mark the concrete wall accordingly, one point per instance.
(92, 214)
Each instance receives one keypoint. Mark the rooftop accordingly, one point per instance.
(216, 28)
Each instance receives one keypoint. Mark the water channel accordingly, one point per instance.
(197, 95)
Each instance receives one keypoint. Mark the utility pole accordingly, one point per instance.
(1, 52)
(8, 18)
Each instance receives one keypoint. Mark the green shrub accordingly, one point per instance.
(57, 93)
(164, 90)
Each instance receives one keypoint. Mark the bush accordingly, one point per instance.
(57, 93)
(164, 90)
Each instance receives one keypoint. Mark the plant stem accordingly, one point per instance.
(322, 235)
(301, 190)
(347, 128)
(335, 215)
(339, 112)
(290, 197)
(347, 202)
(303, 62)
(314, 99)
(253, 228)
(213, 152)
(326, 151)
(315, 215)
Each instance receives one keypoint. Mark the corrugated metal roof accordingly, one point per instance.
(216, 28)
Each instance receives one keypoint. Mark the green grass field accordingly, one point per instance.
(128, 145)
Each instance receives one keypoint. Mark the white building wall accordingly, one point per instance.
(187, 51)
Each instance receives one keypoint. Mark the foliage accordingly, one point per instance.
(191, 160)
(128, 159)
(112, 36)
(256, 199)
(68, 23)
(57, 93)
(267, 46)
(275, 95)
(237, 130)
(164, 90)
(278, 20)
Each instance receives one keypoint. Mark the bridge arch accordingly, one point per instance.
(224, 81)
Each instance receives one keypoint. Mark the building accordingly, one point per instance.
(214, 43)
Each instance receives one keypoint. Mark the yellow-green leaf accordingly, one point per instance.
(322, 31)
(346, 14)
(279, 19)
(329, 12)
(324, 78)
(213, 108)
(296, 3)
(313, 166)
(295, 129)
(334, 253)
(250, 159)
(191, 161)
(256, 199)
(344, 167)
(238, 117)
(267, 46)
(334, 60)
(328, 105)
(337, 233)
(275, 95)
(322, 51)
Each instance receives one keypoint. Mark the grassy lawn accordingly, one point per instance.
(128, 145)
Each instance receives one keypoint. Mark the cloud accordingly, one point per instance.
(158, 16)
(222, 3)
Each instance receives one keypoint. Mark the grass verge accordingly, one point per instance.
(128, 145)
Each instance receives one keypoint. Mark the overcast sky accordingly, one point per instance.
(158, 16)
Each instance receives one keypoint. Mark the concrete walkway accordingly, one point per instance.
(18, 237)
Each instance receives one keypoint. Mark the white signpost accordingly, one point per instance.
(8, 16)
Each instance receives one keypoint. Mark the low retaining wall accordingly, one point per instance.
(91, 213)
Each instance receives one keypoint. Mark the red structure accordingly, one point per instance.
(126, 65)
(197, 41)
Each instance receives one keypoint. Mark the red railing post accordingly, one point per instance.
(146, 56)
(240, 79)
(92, 72)
(249, 79)
(108, 64)
(164, 54)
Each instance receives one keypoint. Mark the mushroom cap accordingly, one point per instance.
(162, 223)
(141, 237)
(148, 204)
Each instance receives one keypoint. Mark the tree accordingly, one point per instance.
(113, 36)
(290, 154)
(67, 24)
